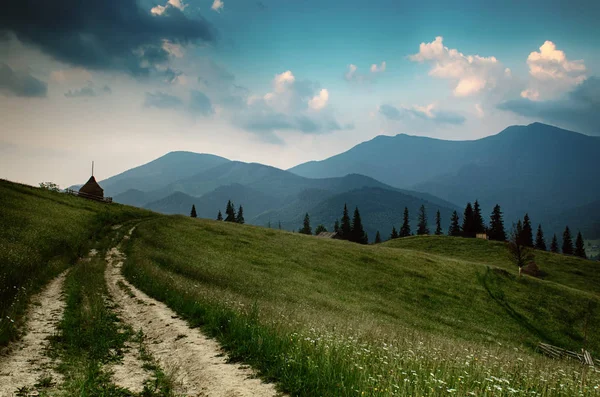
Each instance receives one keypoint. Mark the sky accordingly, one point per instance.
(280, 82)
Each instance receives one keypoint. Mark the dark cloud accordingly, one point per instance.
(200, 103)
(83, 92)
(580, 109)
(107, 89)
(440, 117)
(162, 100)
(101, 35)
(269, 122)
(20, 83)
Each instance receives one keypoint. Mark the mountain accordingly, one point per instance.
(160, 172)
(536, 168)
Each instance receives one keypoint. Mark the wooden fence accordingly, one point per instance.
(89, 196)
(556, 352)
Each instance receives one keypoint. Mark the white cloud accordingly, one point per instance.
(479, 110)
(351, 72)
(173, 49)
(283, 81)
(319, 101)
(428, 112)
(159, 10)
(378, 69)
(217, 5)
(552, 73)
(470, 74)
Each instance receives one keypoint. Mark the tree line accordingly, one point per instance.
(230, 213)
(346, 229)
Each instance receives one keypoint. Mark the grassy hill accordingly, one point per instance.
(41, 234)
(327, 317)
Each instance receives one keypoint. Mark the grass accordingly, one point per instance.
(41, 234)
(570, 271)
(326, 317)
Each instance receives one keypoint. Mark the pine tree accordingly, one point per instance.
(579, 246)
(358, 234)
(320, 229)
(394, 233)
(377, 238)
(468, 226)
(279, 225)
(219, 216)
(496, 231)
(519, 232)
(336, 226)
(240, 216)
(527, 232)
(454, 229)
(422, 226)
(567, 245)
(346, 226)
(193, 212)
(306, 229)
(478, 225)
(554, 245)
(405, 229)
(438, 224)
(540, 243)
(230, 212)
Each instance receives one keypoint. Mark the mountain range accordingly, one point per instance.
(546, 171)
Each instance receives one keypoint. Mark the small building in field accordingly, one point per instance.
(483, 236)
(333, 235)
(531, 269)
(92, 190)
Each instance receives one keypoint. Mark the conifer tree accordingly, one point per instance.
(377, 238)
(219, 216)
(478, 225)
(519, 232)
(579, 246)
(438, 224)
(422, 225)
(567, 245)
(336, 226)
(554, 244)
(279, 225)
(394, 233)
(358, 232)
(527, 232)
(540, 243)
(346, 226)
(320, 229)
(240, 217)
(496, 230)
(454, 229)
(468, 226)
(230, 212)
(306, 229)
(193, 212)
(405, 228)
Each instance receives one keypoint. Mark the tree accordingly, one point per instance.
(240, 216)
(554, 244)
(193, 212)
(454, 229)
(306, 229)
(377, 238)
(527, 232)
(53, 187)
(468, 226)
(358, 234)
(579, 247)
(394, 233)
(320, 229)
(438, 224)
(219, 216)
(346, 226)
(567, 245)
(336, 226)
(519, 254)
(279, 225)
(405, 228)
(496, 230)
(540, 243)
(422, 226)
(230, 212)
(478, 226)
(519, 231)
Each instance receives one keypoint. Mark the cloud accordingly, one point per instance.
(20, 83)
(319, 101)
(88, 91)
(579, 109)
(70, 75)
(378, 69)
(552, 73)
(217, 5)
(101, 35)
(353, 75)
(200, 103)
(479, 110)
(159, 10)
(470, 74)
(162, 100)
(428, 113)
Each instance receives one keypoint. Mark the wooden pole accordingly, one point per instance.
(92, 167)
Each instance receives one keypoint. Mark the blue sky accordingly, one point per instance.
(280, 82)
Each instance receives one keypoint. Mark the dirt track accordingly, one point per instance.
(197, 362)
